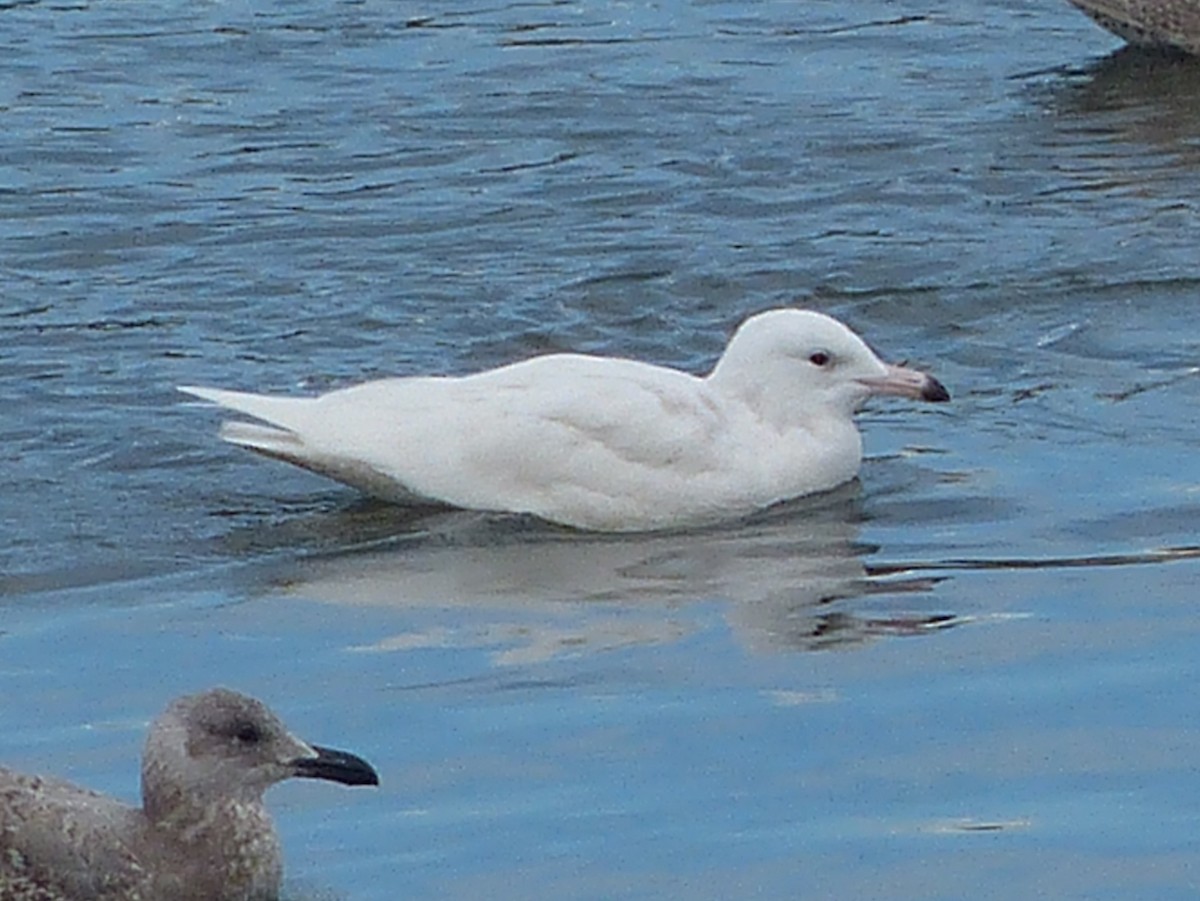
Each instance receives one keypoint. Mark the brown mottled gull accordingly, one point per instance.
(1153, 23)
(202, 832)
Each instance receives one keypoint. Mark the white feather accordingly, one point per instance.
(593, 442)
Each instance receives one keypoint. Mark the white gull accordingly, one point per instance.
(597, 442)
(202, 832)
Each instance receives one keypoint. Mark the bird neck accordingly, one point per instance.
(229, 842)
(771, 400)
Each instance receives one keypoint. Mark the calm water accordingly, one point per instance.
(969, 675)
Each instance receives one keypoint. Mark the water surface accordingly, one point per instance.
(965, 675)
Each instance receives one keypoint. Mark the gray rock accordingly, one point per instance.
(202, 832)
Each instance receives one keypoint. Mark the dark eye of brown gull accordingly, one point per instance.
(247, 733)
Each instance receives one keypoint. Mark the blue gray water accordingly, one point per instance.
(968, 675)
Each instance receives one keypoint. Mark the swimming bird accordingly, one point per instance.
(1151, 23)
(202, 832)
(594, 442)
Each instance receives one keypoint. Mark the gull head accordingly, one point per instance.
(221, 744)
(788, 362)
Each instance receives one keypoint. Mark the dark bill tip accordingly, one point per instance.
(934, 391)
(336, 766)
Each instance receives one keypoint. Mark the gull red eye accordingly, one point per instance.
(820, 358)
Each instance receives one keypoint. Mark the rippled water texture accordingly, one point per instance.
(968, 675)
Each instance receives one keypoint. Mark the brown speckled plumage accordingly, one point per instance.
(202, 833)
(1154, 23)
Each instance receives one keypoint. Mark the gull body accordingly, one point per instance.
(1152, 23)
(202, 832)
(597, 442)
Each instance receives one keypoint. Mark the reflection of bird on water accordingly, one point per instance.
(202, 833)
(597, 442)
(1152, 23)
(783, 581)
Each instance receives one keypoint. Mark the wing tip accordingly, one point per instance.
(206, 394)
(261, 438)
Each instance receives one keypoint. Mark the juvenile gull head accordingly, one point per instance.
(202, 831)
